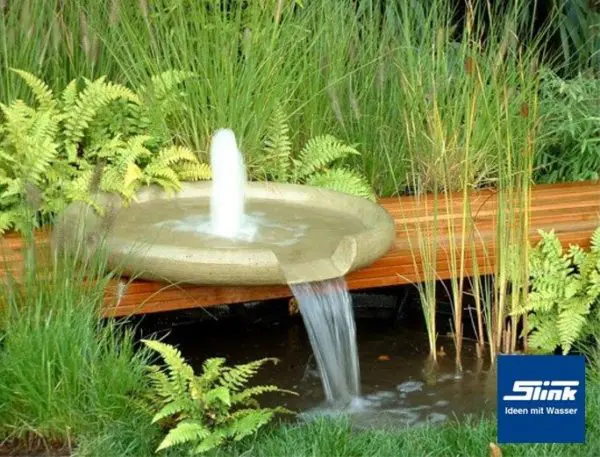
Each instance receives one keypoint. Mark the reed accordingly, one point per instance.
(473, 115)
(344, 68)
(51, 39)
(515, 139)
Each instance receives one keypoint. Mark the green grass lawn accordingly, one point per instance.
(335, 439)
(470, 438)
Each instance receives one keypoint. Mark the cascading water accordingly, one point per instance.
(326, 306)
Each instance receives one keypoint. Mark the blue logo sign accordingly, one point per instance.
(541, 399)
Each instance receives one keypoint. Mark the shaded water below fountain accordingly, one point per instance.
(398, 385)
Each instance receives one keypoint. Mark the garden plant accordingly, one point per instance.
(378, 98)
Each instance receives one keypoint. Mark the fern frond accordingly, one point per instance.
(122, 153)
(214, 440)
(18, 119)
(595, 242)
(237, 376)
(174, 154)
(163, 84)
(251, 392)
(177, 366)
(69, 96)
(168, 185)
(545, 337)
(178, 405)
(132, 174)
(342, 180)
(319, 152)
(29, 141)
(160, 384)
(43, 94)
(8, 219)
(278, 147)
(537, 301)
(211, 370)
(194, 171)
(219, 393)
(78, 189)
(123, 175)
(184, 432)
(95, 96)
(571, 321)
(44, 149)
(112, 181)
(162, 168)
(247, 421)
(13, 188)
(165, 177)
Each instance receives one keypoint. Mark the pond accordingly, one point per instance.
(399, 384)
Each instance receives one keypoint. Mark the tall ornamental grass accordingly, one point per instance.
(68, 379)
(470, 121)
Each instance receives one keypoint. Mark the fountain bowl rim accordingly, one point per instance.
(248, 267)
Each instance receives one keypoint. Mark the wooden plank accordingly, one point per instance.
(148, 297)
(572, 210)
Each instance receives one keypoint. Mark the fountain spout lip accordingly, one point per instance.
(338, 265)
(345, 255)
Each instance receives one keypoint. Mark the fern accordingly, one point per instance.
(320, 152)
(316, 164)
(249, 393)
(564, 288)
(58, 143)
(185, 432)
(204, 411)
(342, 180)
(43, 94)
(595, 242)
(69, 96)
(162, 86)
(178, 371)
(27, 151)
(278, 147)
(237, 377)
(192, 171)
(95, 96)
(248, 420)
(8, 220)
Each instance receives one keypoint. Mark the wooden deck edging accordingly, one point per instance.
(571, 210)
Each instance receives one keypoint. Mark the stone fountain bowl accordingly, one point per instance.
(292, 234)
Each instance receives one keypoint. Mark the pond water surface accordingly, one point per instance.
(399, 385)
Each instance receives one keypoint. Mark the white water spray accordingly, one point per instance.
(228, 185)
